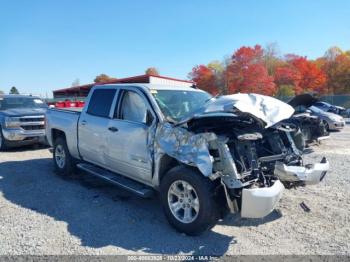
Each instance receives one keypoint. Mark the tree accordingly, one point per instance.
(152, 71)
(288, 76)
(2, 92)
(285, 90)
(218, 70)
(76, 82)
(271, 58)
(332, 53)
(14, 90)
(247, 72)
(204, 78)
(312, 78)
(338, 74)
(103, 78)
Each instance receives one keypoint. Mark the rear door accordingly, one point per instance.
(128, 136)
(93, 126)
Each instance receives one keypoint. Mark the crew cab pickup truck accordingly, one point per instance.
(22, 120)
(200, 153)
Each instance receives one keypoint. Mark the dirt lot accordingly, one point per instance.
(41, 213)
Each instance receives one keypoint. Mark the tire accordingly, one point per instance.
(2, 141)
(63, 161)
(326, 126)
(202, 209)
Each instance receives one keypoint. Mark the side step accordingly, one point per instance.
(121, 181)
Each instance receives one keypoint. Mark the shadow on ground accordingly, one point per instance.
(24, 148)
(100, 214)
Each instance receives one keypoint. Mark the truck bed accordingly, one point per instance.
(64, 120)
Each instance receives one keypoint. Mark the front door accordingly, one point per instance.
(128, 149)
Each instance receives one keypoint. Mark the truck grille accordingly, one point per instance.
(32, 122)
(33, 127)
(31, 119)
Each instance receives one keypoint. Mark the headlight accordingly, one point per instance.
(12, 122)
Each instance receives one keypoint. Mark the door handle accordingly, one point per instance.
(83, 123)
(113, 129)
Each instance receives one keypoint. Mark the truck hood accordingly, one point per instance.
(23, 111)
(306, 100)
(268, 109)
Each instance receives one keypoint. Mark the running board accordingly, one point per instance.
(119, 180)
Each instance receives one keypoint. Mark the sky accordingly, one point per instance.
(48, 44)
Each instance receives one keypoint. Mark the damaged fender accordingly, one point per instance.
(186, 147)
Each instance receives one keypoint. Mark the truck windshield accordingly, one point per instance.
(21, 102)
(177, 104)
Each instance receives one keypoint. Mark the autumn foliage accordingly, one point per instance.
(204, 77)
(257, 70)
(247, 72)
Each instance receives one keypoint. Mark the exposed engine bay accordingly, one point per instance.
(250, 155)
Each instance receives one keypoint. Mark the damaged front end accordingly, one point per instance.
(280, 154)
(240, 142)
(222, 151)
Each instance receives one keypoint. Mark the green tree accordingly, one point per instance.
(285, 91)
(218, 69)
(14, 90)
(2, 92)
(152, 71)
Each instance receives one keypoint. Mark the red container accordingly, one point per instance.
(80, 103)
(60, 104)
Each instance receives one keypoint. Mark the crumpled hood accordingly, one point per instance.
(23, 111)
(306, 100)
(268, 109)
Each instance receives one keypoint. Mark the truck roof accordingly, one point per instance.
(18, 96)
(153, 87)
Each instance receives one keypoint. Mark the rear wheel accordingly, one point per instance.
(63, 161)
(188, 200)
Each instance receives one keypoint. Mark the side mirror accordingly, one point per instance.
(149, 118)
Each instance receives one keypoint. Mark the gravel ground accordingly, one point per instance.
(41, 213)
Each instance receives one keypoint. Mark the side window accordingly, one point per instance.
(133, 107)
(100, 102)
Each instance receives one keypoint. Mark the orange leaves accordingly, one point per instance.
(254, 69)
(247, 73)
(204, 77)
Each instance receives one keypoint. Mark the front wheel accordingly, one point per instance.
(326, 125)
(63, 161)
(188, 200)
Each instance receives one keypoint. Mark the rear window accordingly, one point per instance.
(101, 102)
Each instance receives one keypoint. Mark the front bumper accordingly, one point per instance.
(336, 125)
(21, 134)
(319, 139)
(259, 202)
(309, 175)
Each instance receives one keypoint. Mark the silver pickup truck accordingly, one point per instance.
(22, 120)
(205, 156)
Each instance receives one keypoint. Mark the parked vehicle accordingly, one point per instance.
(22, 120)
(304, 104)
(339, 110)
(204, 155)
